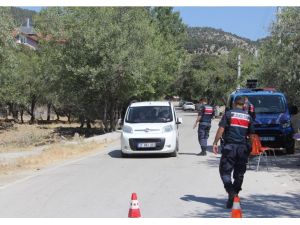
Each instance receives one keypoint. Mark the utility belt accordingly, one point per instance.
(223, 142)
(205, 123)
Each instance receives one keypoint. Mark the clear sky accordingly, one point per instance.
(248, 22)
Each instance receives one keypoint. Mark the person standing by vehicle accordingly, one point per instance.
(235, 127)
(205, 115)
(249, 108)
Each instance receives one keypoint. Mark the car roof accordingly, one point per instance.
(250, 92)
(150, 103)
(259, 93)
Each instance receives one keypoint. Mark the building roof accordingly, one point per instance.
(27, 30)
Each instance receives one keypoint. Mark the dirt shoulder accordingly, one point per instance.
(34, 147)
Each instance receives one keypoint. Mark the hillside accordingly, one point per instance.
(206, 40)
(20, 15)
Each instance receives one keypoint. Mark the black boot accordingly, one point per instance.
(229, 203)
(202, 153)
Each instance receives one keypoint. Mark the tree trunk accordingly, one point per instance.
(224, 100)
(48, 111)
(32, 113)
(88, 123)
(105, 121)
(81, 119)
(69, 117)
(21, 114)
(10, 106)
(12, 110)
(16, 115)
(56, 112)
(112, 119)
(15, 112)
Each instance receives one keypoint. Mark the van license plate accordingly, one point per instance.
(146, 145)
(267, 138)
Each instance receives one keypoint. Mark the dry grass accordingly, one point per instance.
(51, 155)
(25, 137)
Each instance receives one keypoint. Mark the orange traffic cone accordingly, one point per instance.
(134, 210)
(236, 211)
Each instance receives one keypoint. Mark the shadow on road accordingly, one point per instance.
(282, 161)
(254, 206)
(117, 154)
(288, 161)
(70, 131)
(209, 149)
(187, 153)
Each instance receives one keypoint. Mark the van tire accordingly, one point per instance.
(124, 155)
(175, 153)
(291, 149)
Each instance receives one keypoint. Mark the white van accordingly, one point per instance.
(150, 128)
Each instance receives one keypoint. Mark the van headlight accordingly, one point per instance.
(168, 128)
(127, 129)
(286, 124)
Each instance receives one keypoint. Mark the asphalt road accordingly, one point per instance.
(186, 186)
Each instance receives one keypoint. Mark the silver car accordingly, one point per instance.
(189, 106)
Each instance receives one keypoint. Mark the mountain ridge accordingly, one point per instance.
(212, 41)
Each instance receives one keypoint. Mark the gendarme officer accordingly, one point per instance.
(204, 118)
(234, 129)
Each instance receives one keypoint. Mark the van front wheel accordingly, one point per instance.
(175, 153)
(124, 155)
(291, 148)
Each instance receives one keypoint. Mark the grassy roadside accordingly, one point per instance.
(60, 141)
(22, 137)
(50, 155)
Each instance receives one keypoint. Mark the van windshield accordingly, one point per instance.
(149, 114)
(268, 103)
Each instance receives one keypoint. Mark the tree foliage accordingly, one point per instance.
(20, 15)
(214, 76)
(93, 61)
(7, 47)
(279, 65)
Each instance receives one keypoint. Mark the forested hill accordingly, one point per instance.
(20, 15)
(207, 40)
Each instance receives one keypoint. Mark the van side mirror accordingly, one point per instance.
(293, 110)
(179, 120)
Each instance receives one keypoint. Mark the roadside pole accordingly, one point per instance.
(239, 70)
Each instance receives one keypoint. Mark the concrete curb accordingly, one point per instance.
(104, 138)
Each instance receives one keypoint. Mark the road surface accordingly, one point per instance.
(186, 186)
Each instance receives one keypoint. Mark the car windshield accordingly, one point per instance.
(149, 114)
(189, 103)
(268, 103)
